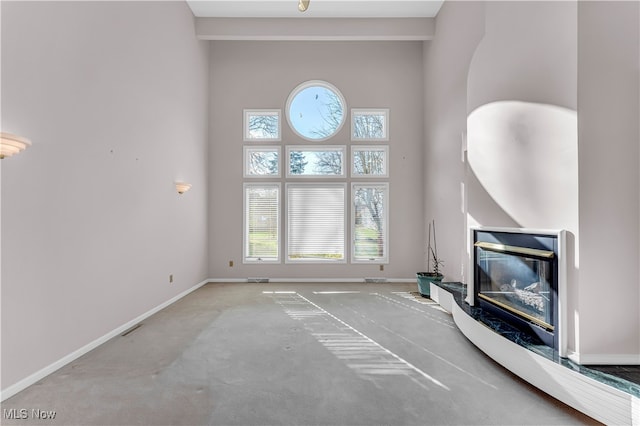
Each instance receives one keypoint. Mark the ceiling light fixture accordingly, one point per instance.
(12, 144)
(303, 5)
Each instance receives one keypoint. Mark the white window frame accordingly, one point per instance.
(370, 111)
(248, 149)
(381, 148)
(306, 85)
(247, 134)
(318, 148)
(377, 260)
(288, 226)
(245, 225)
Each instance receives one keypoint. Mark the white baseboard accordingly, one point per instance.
(604, 359)
(312, 280)
(39, 375)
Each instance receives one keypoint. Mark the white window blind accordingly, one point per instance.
(316, 222)
(262, 222)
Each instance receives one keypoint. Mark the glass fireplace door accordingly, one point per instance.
(517, 279)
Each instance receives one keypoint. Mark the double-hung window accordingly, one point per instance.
(369, 222)
(262, 222)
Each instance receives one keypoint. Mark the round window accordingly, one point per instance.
(315, 110)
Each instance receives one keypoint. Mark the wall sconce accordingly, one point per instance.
(182, 187)
(303, 5)
(12, 144)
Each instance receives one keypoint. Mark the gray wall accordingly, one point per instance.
(262, 75)
(114, 97)
(460, 28)
(609, 140)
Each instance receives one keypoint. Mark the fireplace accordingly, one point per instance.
(517, 275)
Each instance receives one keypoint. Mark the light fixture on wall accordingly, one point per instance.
(303, 5)
(12, 144)
(182, 187)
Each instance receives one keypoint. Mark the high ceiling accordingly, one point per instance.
(317, 8)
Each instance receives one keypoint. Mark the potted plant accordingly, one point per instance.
(433, 274)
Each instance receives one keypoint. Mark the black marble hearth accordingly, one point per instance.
(625, 378)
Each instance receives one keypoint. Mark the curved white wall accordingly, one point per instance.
(525, 156)
(522, 130)
(528, 53)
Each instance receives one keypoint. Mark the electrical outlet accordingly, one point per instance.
(382, 267)
(231, 263)
(170, 278)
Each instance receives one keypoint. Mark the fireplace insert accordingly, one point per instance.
(516, 278)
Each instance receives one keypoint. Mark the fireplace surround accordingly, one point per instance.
(519, 275)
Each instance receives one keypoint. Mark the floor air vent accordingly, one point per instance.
(257, 280)
(375, 280)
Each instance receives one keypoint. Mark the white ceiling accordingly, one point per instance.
(317, 8)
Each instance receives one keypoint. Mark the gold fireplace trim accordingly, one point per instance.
(517, 312)
(501, 248)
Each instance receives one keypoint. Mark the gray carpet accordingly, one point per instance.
(290, 354)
